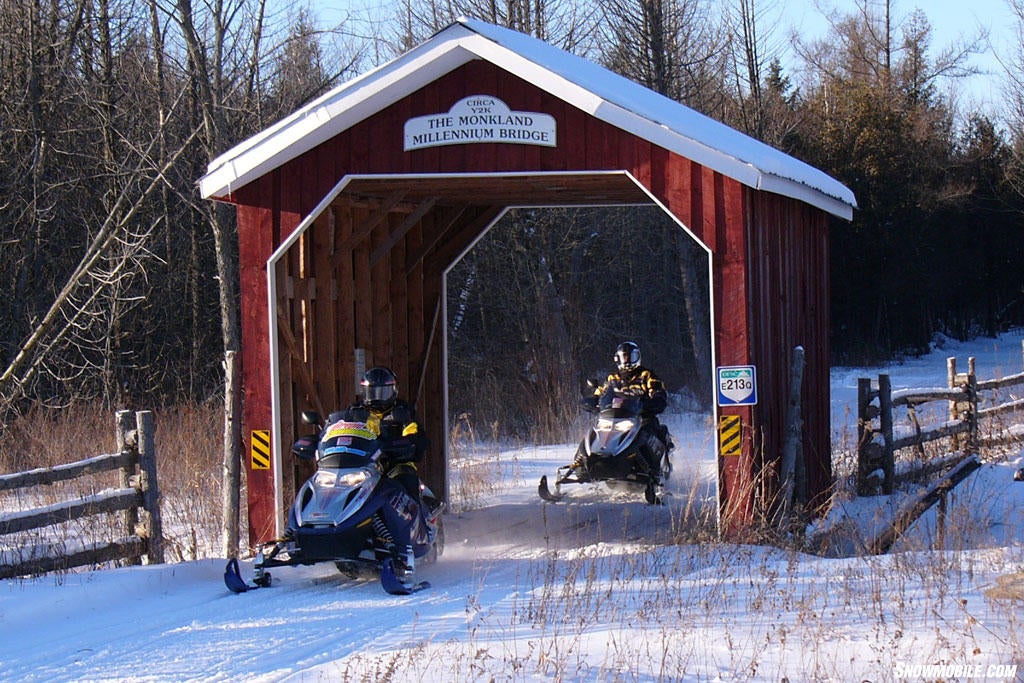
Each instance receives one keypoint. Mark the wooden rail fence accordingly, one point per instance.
(877, 442)
(136, 463)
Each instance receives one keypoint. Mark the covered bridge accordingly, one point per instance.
(351, 209)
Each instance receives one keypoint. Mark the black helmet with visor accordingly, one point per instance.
(380, 388)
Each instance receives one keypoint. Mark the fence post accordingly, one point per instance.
(863, 434)
(150, 492)
(792, 450)
(972, 411)
(885, 423)
(867, 450)
(125, 442)
(951, 384)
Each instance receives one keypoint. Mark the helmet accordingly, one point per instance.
(380, 388)
(627, 356)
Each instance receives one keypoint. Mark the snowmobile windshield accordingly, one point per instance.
(346, 445)
(616, 406)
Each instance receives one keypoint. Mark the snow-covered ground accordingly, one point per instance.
(600, 587)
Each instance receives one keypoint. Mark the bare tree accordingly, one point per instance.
(674, 47)
(1014, 91)
(764, 105)
(90, 176)
(101, 268)
(566, 24)
(219, 74)
(225, 55)
(865, 47)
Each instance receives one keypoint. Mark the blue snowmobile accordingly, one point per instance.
(348, 512)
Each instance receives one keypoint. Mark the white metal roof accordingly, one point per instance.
(587, 86)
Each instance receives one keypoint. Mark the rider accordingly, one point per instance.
(632, 378)
(394, 422)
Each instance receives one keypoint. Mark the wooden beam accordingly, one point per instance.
(427, 245)
(324, 311)
(457, 240)
(410, 220)
(426, 353)
(363, 231)
(305, 378)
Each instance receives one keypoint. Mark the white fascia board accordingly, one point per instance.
(333, 113)
(807, 194)
(840, 203)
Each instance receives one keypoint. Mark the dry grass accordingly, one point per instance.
(188, 446)
(600, 611)
(654, 612)
(478, 472)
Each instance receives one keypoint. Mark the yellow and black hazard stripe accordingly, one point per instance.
(260, 449)
(729, 433)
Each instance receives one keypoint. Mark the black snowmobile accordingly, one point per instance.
(618, 448)
(351, 514)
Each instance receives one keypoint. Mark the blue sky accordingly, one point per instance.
(952, 20)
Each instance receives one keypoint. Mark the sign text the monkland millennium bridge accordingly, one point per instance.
(480, 118)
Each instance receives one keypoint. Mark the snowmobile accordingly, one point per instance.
(348, 512)
(614, 450)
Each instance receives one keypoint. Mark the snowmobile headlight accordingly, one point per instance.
(352, 478)
(624, 425)
(326, 478)
(604, 423)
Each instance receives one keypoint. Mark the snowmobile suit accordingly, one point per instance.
(640, 382)
(404, 443)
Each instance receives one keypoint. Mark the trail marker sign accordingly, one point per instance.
(737, 385)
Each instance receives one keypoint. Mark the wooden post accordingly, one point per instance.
(885, 423)
(972, 411)
(791, 449)
(150, 492)
(865, 434)
(951, 383)
(231, 479)
(126, 441)
(967, 408)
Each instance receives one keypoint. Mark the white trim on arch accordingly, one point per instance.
(292, 238)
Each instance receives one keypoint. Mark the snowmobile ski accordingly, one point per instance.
(390, 582)
(545, 492)
(236, 584)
